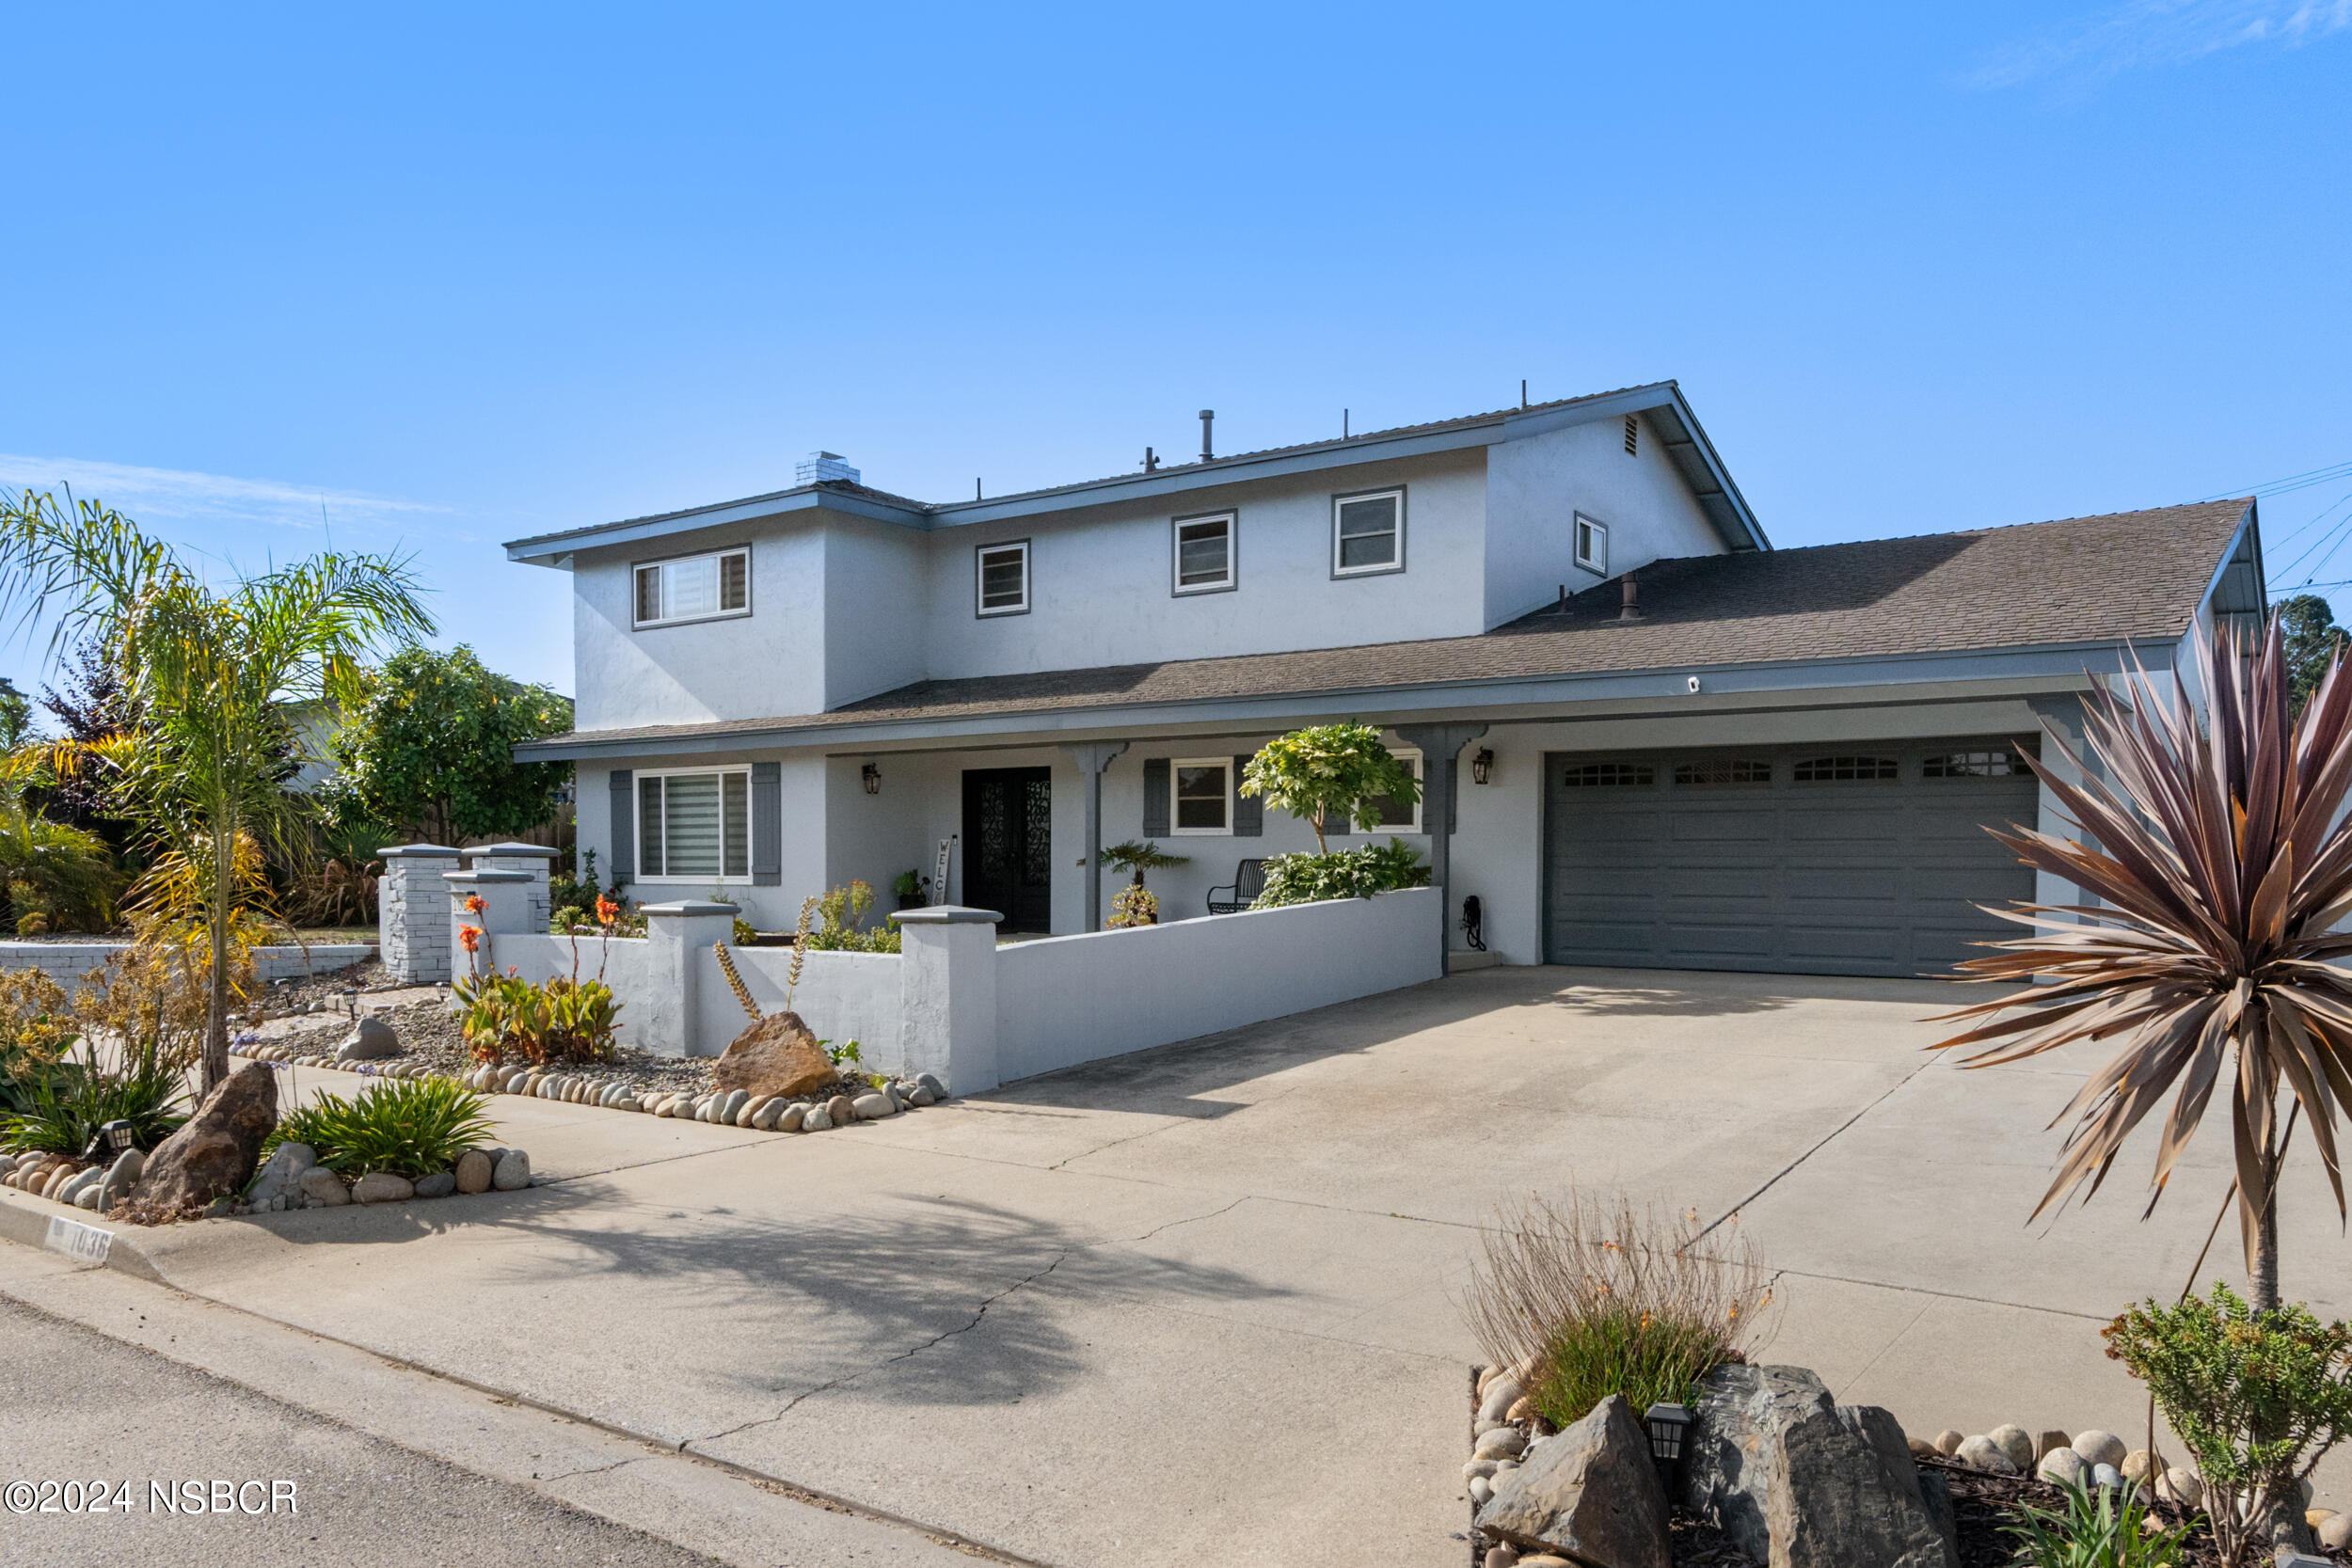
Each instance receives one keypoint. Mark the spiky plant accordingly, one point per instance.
(2213, 843)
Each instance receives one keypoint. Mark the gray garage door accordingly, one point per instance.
(1851, 859)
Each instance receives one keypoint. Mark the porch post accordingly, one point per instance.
(1094, 756)
(1439, 745)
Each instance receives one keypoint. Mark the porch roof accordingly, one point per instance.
(2133, 576)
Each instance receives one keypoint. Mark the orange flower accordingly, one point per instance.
(469, 937)
(607, 910)
(474, 904)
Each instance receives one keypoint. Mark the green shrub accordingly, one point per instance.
(1600, 1297)
(2110, 1530)
(843, 911)
(2257, 1398)
(36, 1027)
(1134, 904)
(59, 879)
(64, 1108)
(1304, 878)
(566, 1020)
(409, 1127)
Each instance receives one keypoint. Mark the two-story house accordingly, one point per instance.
(1656, 740)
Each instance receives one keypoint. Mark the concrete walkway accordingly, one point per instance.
(1199, 1305)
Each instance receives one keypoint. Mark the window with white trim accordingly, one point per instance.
(1001, 574)
(1367, 533)
(694, 826)
(1204, 553)
(1400, 816)
(695, 588)
(1592, 545)
(1202, 794)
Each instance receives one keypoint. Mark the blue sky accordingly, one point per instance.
(448, 279)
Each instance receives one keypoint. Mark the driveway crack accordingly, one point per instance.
(1824, 1142)
(1194, 1219)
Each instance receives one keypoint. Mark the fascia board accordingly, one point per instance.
(546, 549)
(2006, 672)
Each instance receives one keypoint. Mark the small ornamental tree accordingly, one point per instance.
(1330, 772)
(431, 749)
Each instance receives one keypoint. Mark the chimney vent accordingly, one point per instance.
(1208, 417)
(1631, 608)
(823, 468)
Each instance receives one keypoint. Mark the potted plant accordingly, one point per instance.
(910, 887)
(1139, 856)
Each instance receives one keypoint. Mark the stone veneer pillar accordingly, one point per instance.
(505, 906)
(535, 859)
(412, 913)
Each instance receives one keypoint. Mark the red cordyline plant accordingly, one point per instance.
(2221, 865)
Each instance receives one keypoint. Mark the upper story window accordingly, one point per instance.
(694, 826)
(1592, 545)
(1204, 794)
(1002, 577)
(1367, 533)
(695, 588)
(1205, 554)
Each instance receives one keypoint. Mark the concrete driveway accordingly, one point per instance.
(1199, 1305)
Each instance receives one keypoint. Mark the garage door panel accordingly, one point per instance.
(1861, 877)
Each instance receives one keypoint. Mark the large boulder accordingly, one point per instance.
(1591, 1491)
(215, 1154)
(370, 1039)
(282, 1175)
(1798, 1481)
(776, 1056)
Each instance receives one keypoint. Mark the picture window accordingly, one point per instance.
(694, 826)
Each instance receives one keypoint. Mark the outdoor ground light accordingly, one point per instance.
(1669, 1430)
(1481, 766)
(870, 776)
(113, 1138)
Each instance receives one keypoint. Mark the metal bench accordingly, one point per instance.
(1248, 881)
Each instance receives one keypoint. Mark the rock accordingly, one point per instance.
(1545, 1559)
(2016, 1443)
(921, 1095)
(282, 1173)
(1592, 1490)
(1478, 1468)
(121, 1179)
(923, 1080)
(1481, 1490)
(1501, 1442)
(81, 1180)
(2048, 1443)
(2062, 1468)
(221, 1208)
(1500, 1557)
(841, 1109)
(382, 1186)
(473, 1171)
(216, 1150)
(1935, 1493)
(54, 1188)
(792, 1117)
(627, 1102)
(85, 1195)
(2136, 1464)
(764, 1118)
(1501, 1395)
(512, 1171)
(1522, 1409)
(775, 1055)
(2315, 1517)
(2100, 1448)
(2335, 1532)
(370, 1039)
(735, 1101)
(1982, 1453)
(1922, 1448)
(2182, 1487)
(323, 1186)
(2107, 1478)
(439, 1184)
(817, 1119)
(874, 1107)
(1800, 1482)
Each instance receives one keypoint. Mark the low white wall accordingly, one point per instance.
(628, 967)
(69, 960)
(1065, 999)
(842, 997)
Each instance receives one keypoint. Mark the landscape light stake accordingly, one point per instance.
(1669, 1428)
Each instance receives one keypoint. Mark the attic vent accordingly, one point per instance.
(1633, 435)
(820, 467)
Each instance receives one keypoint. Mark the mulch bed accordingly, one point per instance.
(1984, 1506)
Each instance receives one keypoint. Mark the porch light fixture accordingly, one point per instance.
(1481, 766)
(1669, 1430)
(870, 776)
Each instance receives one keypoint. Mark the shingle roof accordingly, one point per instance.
(2124, 575)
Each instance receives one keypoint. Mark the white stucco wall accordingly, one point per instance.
(876, 588)
(841, 997)
(1535, 488)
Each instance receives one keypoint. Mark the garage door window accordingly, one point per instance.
(1845, 769)
(1722, 772)
(1610, 775)
(1999, 763)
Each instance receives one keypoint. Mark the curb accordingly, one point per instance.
(25, 1219)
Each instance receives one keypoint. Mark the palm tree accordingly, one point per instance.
(210, 674)
(2214, 848)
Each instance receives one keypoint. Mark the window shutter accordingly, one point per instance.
(623, 866)
(767, 824)
(1156, 785)
(1248, 811)
(1453, 793)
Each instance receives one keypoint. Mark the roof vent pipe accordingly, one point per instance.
(1208, 417)
(1630, 610)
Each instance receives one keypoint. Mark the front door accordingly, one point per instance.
(1009, 845)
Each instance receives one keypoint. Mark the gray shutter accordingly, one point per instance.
(1248, 811)
(767, 824)
(624, 867)
(1156, 785)
(1452, 794)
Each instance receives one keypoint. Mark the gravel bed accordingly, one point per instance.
(430, 1040)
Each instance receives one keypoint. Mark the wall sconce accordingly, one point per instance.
(1481, 766)
(870, 776)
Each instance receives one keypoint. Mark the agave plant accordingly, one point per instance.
(2215, 846)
